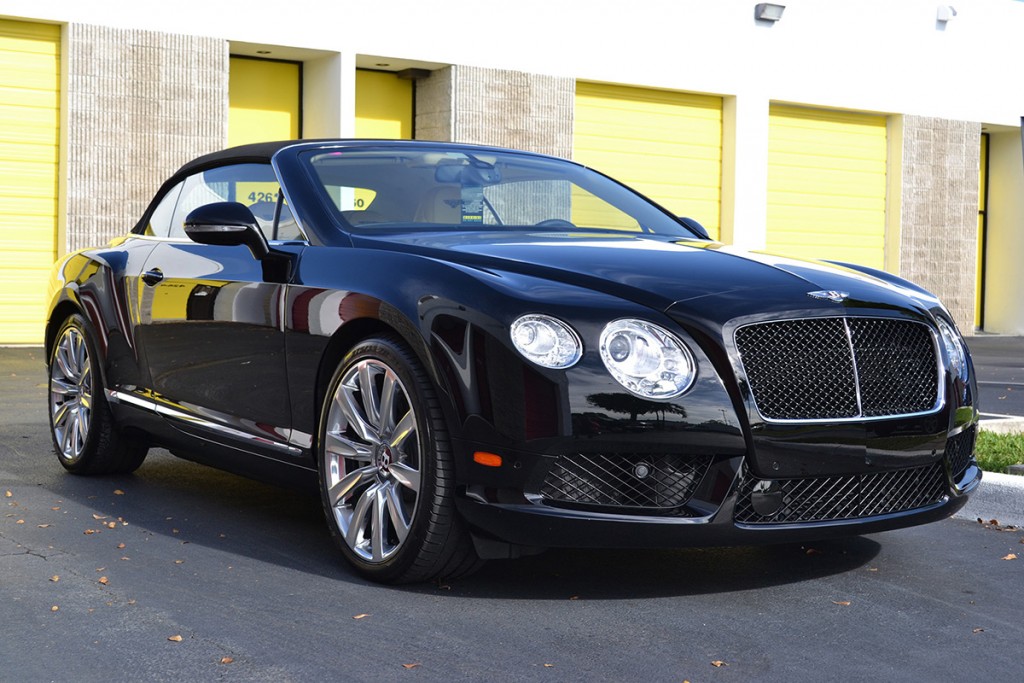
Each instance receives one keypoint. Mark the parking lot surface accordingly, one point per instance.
(181, 572)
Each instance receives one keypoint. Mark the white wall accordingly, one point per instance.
(878, 55)
(1004, 293)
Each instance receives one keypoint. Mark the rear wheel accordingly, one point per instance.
(386, 474)
(85, 437)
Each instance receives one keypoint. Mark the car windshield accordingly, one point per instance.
(378, 189)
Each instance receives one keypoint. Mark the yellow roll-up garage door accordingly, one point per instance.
(29, 143)
(667, 145)
(383, 105)
(264, 100)
(826, 185)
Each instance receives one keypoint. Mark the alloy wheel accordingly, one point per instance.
(371, 455)
(71, 394)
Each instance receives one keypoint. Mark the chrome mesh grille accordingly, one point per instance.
(642, 483)
(839, 368)
(959, 451)
(823, 499)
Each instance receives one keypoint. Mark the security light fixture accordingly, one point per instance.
(768, 11)
(945, 13)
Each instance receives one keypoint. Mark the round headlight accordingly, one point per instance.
(646, 359)
(546, 341)
(955, 351)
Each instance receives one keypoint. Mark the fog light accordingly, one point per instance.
(766, 498)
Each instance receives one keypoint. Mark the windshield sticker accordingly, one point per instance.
(473, 204)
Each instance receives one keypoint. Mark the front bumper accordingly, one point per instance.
(738, 510)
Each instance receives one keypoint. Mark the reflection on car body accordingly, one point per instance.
(477, 353)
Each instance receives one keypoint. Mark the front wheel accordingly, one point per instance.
(386, 474)
(85, 436)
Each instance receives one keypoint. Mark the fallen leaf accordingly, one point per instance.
(872, 569)
(111, 525)
(841, 603)
(574, 597)
(411, 666)
(978, 630)
(360, 616)
(118, 492)
(43, 526)
(718, 664)
(175, 639)
(1011, 556)
(56, 508)
(20, 521)
(813, 551)
(179, 562)
(104, 580)
(54, 608)
(131, 602)
(98, 517)
(226, 660)
(55, 578)
(7, 494)
(994, 522)
(549, 666)
(89, 532)
(125, 558)
(120, 546)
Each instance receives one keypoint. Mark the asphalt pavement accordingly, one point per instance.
(183, 573)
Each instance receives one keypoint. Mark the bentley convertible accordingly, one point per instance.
(479, 353)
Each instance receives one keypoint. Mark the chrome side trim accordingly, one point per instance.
(176, 414)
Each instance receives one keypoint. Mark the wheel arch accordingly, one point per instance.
(354, 331)
(60, 313)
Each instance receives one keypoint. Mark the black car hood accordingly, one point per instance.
(658, 272)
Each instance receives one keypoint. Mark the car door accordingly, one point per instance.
(211, 322)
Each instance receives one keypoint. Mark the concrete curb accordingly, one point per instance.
(999, 497)
(1008, 425)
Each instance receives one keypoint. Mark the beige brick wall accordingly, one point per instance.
(496, 107)
(140, 104)
(939, 221)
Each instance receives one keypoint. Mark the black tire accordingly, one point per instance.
(85, 437)
(386, 474)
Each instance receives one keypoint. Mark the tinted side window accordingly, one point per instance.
(160, 221)
(254, 185)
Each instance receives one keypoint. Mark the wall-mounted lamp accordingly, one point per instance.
(945, 13)
(769, 11)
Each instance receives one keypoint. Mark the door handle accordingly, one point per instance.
(153, 277)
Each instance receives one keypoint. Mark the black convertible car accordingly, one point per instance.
(480, 352)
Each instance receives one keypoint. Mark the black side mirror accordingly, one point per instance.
(227, 224)
(694, 227)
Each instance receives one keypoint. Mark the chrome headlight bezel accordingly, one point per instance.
(956, 349)
(546, 341)
(646, 359)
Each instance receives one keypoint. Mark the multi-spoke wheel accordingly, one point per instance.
(84, 434)
(385, 468)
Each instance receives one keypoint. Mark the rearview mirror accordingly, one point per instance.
(227, 224)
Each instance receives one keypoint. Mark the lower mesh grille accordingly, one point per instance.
(834, 498)
(631, 482)
(959, 450)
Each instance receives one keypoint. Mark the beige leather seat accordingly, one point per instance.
(441, 205)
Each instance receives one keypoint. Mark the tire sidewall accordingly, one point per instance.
(401, 361)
